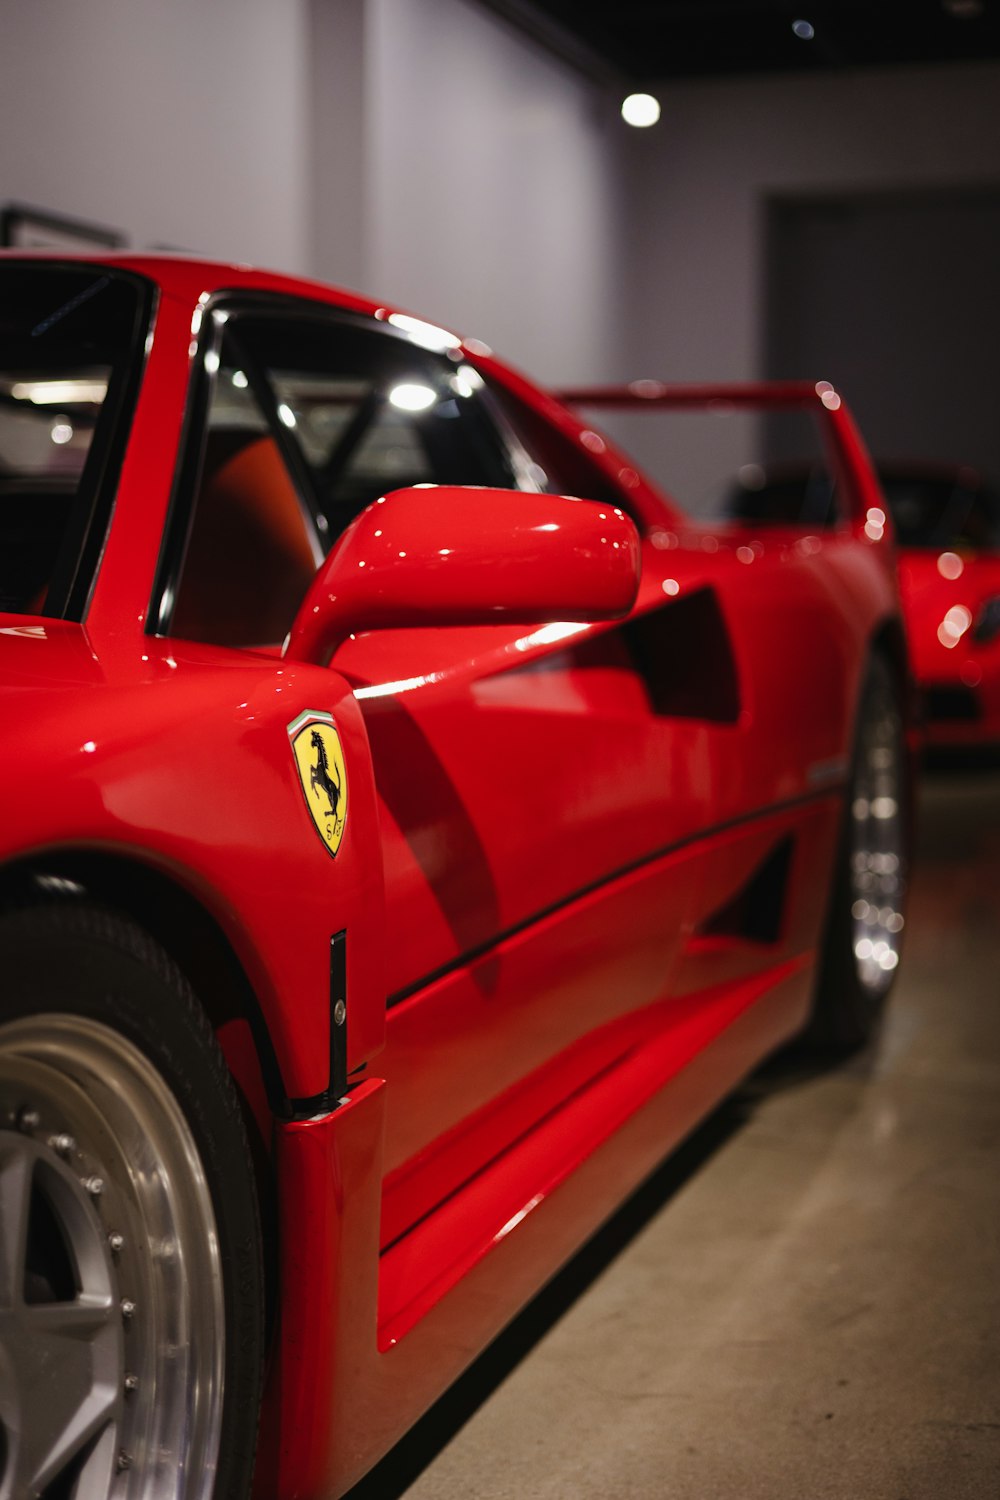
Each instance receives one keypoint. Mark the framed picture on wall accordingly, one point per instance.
(25, 228)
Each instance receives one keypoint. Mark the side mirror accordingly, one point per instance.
(444, 555)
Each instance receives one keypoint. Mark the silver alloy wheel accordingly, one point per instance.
(877, 870)
(111, 1296)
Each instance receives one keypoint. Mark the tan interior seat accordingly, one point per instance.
(249, 559)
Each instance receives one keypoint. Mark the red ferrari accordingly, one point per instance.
(948, 528)
(946, 521)
(398, 856)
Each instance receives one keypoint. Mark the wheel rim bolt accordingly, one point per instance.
(116, 1243)
(28, 1119)
(128, 1309)
(94, 1185)
(62, 1144)
(131, 1382)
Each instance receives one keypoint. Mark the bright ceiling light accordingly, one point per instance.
(412, 397)
(640, 110)
(804, 30)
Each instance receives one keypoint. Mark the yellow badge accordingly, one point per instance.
(320, 761)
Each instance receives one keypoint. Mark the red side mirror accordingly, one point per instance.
(445, 555)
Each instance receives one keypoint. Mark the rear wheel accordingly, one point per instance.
(130, 1281)
(866, 918)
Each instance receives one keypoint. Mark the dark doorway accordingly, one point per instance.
(896, 300)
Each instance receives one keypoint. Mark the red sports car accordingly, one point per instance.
(948, 528)
(397, 856)
(946, 520)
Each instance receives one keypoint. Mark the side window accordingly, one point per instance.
(71, 340)
(307, 421)
(559, 465)
(787, 476)
(718, 461)
(251, 551)
(367, 410)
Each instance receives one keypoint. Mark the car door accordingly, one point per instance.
(536, 803)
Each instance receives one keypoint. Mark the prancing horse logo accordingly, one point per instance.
(319, 760)
(320, 773)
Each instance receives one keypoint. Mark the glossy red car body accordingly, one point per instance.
(951, 605)
(959, 676)
(549, 825)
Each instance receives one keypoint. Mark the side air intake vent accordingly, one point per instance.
(755, 913)
(686, 660)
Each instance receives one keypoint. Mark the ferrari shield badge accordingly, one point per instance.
(320, 763)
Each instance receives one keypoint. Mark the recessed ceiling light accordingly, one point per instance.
(804, 30)
(640, 110)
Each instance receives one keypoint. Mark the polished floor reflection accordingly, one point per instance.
(806, 1301)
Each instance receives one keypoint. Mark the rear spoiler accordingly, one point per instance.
(848, 446)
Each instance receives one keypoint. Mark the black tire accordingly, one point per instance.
(866, 914)
(123, 1156)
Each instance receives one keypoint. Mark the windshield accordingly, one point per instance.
(942, 511)
(70, 346)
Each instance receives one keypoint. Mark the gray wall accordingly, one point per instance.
(495, 186)
(423, 150)
(895, 299)
(419, 150)
(181, 123)
(701, 180)
(701, 185)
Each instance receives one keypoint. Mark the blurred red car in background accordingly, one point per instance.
(947, 521)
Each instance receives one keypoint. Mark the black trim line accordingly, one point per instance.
(122, 400)
(471, 955)
(325, 1103)
(338, 1014)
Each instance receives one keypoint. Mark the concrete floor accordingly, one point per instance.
(805, 1301)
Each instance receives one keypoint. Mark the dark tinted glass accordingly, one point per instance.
(942, 511)
(722, 462)
(370, 411)
(794, 496)
(68, 340)
(560, 466)
(307, 421)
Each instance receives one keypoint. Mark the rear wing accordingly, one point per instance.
(847, 448)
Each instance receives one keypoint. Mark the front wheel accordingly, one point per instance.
(130, 1281)
(866, 917)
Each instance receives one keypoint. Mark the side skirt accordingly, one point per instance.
(367, 1343)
